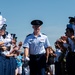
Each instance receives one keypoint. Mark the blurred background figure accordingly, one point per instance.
(5, 43)
(50, 65)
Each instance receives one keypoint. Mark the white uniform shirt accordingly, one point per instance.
(6, 40)
(36, 45)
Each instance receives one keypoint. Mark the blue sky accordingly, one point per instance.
(53, 13)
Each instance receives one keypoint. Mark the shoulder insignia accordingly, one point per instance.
(28, 35)
(43, 34)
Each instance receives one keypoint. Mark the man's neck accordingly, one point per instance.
(36, 33)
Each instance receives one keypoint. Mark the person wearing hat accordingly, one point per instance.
(71, 23)
(5, 37)
(6, 67)
(36, 46)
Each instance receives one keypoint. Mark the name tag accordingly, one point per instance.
(42, 40)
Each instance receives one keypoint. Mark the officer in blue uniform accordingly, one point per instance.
(36, 47)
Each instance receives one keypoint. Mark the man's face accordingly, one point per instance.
(68, 33)
(36, 28)
(3, 32)
(13, 41)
